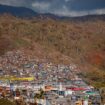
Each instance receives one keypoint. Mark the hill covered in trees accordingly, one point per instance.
(60, 41)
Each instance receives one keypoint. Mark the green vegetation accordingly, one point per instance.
(40, 95)
(5, 102)
(95, 78)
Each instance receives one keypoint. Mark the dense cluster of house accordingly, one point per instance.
(28, 75)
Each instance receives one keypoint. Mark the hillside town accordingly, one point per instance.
(52, 52)
(26, 80)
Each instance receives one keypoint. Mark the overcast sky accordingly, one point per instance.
(61, 7)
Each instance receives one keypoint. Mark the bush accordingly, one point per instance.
(5, 102)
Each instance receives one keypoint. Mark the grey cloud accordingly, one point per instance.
(61, 7)
(12, 2)
(41, 6)
(72, 13)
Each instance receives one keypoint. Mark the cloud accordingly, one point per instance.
(98, 11)
(12, 2)
(61, 7)
(71, 13)
(41, 6)
(67, 1)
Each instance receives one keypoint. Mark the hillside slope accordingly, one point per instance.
(83, 42)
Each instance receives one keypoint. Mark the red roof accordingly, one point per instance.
(75, 88)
